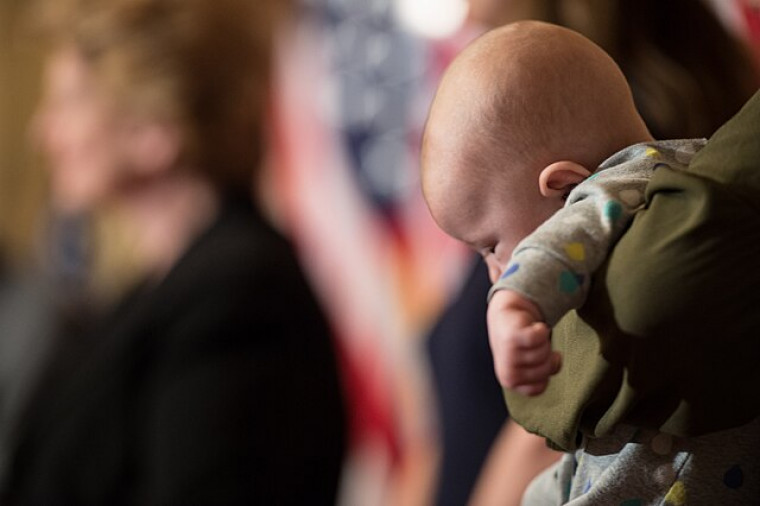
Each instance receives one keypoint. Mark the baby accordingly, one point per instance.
(535, 156)
(546, 160)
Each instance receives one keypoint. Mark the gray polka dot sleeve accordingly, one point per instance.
(553, 266)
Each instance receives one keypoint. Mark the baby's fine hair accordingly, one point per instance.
(549, 93)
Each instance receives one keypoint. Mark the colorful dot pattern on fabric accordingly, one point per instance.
(569, 282)
(652, 153)
(676, 495)
(510, 270)
(575, 251)
(613, 210)
(734, 477)
(593, 176)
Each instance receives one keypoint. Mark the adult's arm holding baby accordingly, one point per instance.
(668, 336)
(683, 284)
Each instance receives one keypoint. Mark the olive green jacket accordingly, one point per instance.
(669, 337)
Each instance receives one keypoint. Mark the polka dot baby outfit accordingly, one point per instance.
(635, 467)
(553, 266)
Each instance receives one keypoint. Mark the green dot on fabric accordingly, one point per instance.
(632, 502)
(569, 282)
(568, 489)
(613, 210)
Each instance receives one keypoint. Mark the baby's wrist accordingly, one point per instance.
(510, 300)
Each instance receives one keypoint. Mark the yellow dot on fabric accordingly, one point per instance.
(676, 495)
(575, 251)
(662, 444)
(652, 153)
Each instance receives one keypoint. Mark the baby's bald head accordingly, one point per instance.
(522, 97)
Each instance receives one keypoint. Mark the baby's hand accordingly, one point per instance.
(522, 354)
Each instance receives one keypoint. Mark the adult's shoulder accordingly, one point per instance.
(731, 156)
(240, 278)
(240, 253)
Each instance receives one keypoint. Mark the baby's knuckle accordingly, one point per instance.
(512, 380)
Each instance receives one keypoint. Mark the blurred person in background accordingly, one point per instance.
(685, 86)
(214, 381)
(43, 286)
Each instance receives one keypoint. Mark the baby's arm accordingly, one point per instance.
(523, 358)
(550, 271)
(553, 266)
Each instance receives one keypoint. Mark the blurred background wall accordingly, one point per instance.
(21, 177)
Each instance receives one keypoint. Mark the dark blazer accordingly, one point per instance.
(219, 385)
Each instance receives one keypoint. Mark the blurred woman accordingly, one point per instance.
(214, 381)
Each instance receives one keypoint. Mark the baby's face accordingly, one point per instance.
(476, 192)
(489, 218)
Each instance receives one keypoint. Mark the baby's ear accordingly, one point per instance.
(557, 179)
